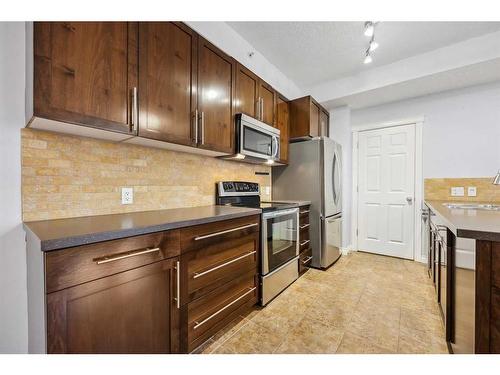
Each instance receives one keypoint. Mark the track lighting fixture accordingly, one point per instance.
(370, 32)
(369, 28)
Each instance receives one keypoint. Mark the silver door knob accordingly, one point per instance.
(409, 200)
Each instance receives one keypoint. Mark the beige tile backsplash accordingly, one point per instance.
(440, 189)
(68, 176)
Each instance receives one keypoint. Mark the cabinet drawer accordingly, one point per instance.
(495, 264)
(199, 236)
(304, 212)
(207, 315)
(305, 259)
(304, 225)
(77, 265)
(207, 268)
(304, 240)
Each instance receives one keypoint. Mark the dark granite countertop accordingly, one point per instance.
(63, 233)
(468, 223)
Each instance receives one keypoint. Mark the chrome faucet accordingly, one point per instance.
(496, 180)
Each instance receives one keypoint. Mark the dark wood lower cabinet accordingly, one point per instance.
(487, 319)
(164, 292)
(130, 312)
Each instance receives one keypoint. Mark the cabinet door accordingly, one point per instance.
(216, 76)
(167, 82)
(268, 103)
(247, 90)
(84, 73)
(129, 312)
(324, 122)
(283, 124)
(314, 120)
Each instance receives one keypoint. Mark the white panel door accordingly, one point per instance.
(386, 177)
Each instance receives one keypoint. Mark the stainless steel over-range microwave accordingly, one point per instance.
(256, 142)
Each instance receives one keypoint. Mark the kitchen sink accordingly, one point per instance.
(473, 206)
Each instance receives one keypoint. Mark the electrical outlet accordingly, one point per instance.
(267, 190)
(457, 191)
(127, 195)
(471, 191)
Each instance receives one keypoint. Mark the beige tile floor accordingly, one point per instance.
(363, 304)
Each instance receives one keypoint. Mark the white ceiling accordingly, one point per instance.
(471, 75)
(314, 52)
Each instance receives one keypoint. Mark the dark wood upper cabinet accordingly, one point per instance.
(167, 82)
(247, 92)
(324, 123)
(307, 118)
(129, 312)
(268, 103)
(314, 119)
(85, 72)
(254, 97)
(216, 86)
(283, 124)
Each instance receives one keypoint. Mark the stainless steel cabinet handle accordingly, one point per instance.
(202, 119)
(196, 126)
(304, 226)
(262, 109)
(178, 286)
(224, 232)
(196, 274)
(307, 260)
(304, 212)
(303, 243)
(199, 324)
(409, 200)
(128, 254)
(257, 108)
(134, 120)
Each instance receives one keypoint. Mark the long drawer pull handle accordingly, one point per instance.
(196, 274)
(225, 231)
(129, 254)
(199, 324)
(303, 243)
(178, 286)
(304, 212)
(307, 260)
(304, 226)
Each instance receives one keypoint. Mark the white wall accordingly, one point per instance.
(340, 131)
(461, 132)
(13, 295)
(232, 43)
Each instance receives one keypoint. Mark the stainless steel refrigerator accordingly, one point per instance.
(314, 173)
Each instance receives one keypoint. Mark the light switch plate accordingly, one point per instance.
(127, 195)
(471, 191)
(457, 191)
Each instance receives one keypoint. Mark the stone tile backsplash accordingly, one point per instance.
(67, 176)
(440, 189)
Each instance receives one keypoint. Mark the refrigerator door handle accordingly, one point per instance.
(335, 199)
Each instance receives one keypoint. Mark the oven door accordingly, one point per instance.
(280, 238)
(258, 139)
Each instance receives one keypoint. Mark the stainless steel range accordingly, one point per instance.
(279, 255)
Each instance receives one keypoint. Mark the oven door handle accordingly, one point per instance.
(271, 215)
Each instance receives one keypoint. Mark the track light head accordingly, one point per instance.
(369, 28)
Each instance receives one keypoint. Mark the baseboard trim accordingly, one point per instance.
(346, 250)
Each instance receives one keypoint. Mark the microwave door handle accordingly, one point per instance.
(275, 142)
